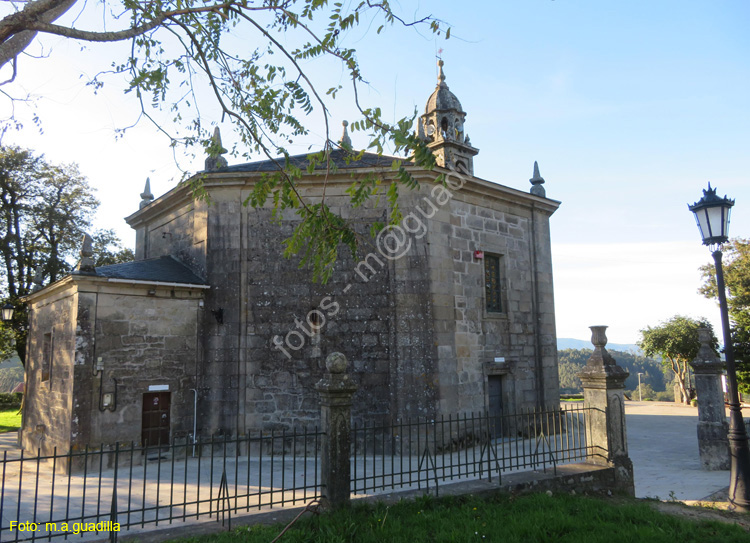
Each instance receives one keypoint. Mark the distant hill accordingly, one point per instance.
(655, 377)
(12, 362)
(569, 343)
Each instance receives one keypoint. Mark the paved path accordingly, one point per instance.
(663, 445)
(8, 442)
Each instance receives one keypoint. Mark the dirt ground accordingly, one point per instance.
(715, 507)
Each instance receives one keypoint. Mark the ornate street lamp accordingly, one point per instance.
(712, 216)
(7, 312)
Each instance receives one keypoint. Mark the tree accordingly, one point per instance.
(178, 47)
(737, 279)
(572, 361)
(44, 211)
(676, 342)
(108, 249)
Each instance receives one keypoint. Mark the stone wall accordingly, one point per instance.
(180, 232)
(220, 372)
(109, 339)
(140, 340)
(470, 338)
(48, 403)
(247, 381)
(415, 327)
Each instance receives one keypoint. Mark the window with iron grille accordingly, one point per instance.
(492, 284)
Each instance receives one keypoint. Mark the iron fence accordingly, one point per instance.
(422, 453)
(84, 493)
(105, 491)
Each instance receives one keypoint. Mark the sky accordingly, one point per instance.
(630, 108)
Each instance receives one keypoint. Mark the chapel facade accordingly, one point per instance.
(211, 331)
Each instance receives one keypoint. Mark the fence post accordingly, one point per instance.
(336, 390)
(603, 384)
(713, 445)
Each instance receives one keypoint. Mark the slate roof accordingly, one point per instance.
(165, 269)
(338, 157)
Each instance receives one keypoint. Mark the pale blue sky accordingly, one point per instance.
(629, 107)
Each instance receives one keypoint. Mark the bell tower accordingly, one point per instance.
(442, 128)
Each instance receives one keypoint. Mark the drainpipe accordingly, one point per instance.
(195, 417)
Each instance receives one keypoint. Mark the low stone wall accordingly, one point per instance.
(581, 478)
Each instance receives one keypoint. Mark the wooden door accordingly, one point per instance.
(495, 394)
(155, 427)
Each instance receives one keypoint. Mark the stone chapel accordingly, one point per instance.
(211, 331)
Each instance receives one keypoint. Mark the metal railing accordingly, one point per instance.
(422, 453)
(63, 495)
(85, 494)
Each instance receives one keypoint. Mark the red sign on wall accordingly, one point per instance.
(479, 255)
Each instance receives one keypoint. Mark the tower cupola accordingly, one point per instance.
(442, 128)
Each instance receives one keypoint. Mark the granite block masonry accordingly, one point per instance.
(461, 321)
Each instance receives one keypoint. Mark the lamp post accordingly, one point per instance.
(640, 395)
(712, 215)
(7, 312)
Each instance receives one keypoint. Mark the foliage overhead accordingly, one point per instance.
(676, 342)
(257, 60)
(44, 211)
(736, 264)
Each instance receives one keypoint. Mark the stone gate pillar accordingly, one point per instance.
(603, 384)
(713, 445)
(336, 390)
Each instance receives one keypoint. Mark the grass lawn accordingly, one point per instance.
(528, 519)
(10, 420)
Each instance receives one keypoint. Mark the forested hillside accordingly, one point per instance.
(11, 373)
(654, 378)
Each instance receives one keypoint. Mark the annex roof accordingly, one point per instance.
(165, 269)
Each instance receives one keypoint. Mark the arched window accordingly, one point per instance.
(430, 130)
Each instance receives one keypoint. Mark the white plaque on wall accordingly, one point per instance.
(157, 388)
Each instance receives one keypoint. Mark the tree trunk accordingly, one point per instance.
(684, 395)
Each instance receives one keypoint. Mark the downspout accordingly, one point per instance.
(195, 417)
(241, 423)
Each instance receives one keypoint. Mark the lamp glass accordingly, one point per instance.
(712, 216)
(713, 222)
(7, 312)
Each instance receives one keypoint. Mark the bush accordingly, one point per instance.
(10, 400)
(664, 396)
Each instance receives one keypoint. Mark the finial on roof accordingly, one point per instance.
(214, 161)
(86, 264)
(38, 278)
(346, 141)
(536, 182)
(146, 196)
(441, 75)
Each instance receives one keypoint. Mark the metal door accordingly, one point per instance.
(495, 394)
(155, 428)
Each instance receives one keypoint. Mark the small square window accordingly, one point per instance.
(492, 284)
